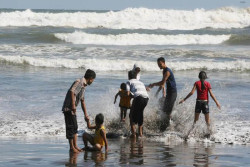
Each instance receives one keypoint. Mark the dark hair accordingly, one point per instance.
(131, 74)
(161, 59)
(99, 118)
(123, 86)
(90, 74)
(202, 76)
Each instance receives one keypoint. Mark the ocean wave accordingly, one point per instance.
(239, 40)
(134, 18)
(141, 39)
(125, 64)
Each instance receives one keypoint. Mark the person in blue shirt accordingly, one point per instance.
(171, 91)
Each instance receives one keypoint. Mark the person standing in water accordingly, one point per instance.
(73, 96)
(202, 87)
(171, 91)
(137, 70)
(124, 101)
(138, 90)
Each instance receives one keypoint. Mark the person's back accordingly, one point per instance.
(97, 137)
(202, 94)
(124, 99)
(137, 88)
(170, 83)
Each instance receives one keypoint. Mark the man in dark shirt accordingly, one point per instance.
(171, 90)
(73, 96)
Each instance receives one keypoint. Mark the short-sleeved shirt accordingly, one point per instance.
(170, 83)
(202, 94)
(78, 87)
(137, 88)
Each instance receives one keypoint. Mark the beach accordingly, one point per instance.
(42, 53)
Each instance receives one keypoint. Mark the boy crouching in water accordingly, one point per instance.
(99, 139)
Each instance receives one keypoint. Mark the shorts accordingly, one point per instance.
(169, 102)
(71, 124)
(202, 106)
(124, 107)
(136, 112)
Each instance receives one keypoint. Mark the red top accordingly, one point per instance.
(202, 94)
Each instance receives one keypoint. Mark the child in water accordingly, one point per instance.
(124, 101)
(99, 139)
(202, 87)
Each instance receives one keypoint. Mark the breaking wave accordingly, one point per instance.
(141, 39)
(125, 64)
(133, 18)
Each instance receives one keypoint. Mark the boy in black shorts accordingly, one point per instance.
(73, 96)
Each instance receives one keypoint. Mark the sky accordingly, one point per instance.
(120, 4)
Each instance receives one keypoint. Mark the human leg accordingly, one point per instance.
(121, 114)
(132, 119)
(142, 103)
(87, 138)
(71, 130)
(168, 107)
(124, 113)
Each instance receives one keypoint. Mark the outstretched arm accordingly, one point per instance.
(162, 82)
(190, 94)
(116, 96)
(88, 124)
(159, 89)
(213, 97)
(103, 134)
(84, 108)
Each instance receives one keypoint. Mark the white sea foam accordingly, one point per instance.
(125, 64)
(141, 39)
(134, 18)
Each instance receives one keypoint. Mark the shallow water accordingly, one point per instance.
(122, 152)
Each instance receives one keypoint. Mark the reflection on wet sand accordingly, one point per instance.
(97, 156)
(201, 156)
(135, 155)
(72, 159)
(140, 151)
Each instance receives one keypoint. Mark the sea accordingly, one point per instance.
(42, 52)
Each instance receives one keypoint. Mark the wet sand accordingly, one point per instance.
(54, 151)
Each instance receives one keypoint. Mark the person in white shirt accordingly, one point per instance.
(140, 95)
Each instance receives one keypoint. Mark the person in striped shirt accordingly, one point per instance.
(74, 95)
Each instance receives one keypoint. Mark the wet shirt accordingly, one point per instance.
(170, 83)
(124, 100)
(137, 88)
(78, 87)
(202, 94)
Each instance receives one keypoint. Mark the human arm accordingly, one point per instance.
(73, 105)
(84, 108)
(103, 134)
(116, 96)
(159, 89)
(190, 94)
(213, 97)
(89, 125)
(162, 82)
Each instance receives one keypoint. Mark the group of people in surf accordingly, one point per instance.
(136, 90)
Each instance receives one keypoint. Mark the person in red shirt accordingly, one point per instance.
(202, 87)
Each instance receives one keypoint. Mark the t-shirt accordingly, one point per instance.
(78, 88)
(170, 83)
(137, 88)
(202, 94)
